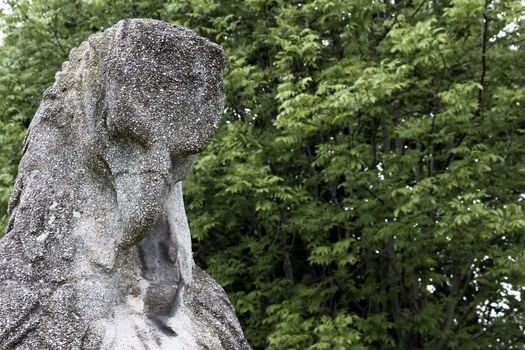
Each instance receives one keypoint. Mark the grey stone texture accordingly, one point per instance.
(97, 252)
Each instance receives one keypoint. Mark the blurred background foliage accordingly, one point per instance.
(366, 187)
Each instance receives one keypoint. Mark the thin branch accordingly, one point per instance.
(479, 110)
(57, 40)
(418, 8)
(376, 197)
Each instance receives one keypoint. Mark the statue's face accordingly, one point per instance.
(164, 100)
(166, 89)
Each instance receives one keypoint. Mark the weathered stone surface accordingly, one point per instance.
(97, 253)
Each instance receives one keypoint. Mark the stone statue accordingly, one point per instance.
(97, 251)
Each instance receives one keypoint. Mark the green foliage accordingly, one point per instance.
(366, 187)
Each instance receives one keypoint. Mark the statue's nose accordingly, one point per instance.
(139, 198)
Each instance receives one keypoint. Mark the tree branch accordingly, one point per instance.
(479, 110)
(418, 8)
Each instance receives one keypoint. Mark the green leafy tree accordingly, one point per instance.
(366, 188)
